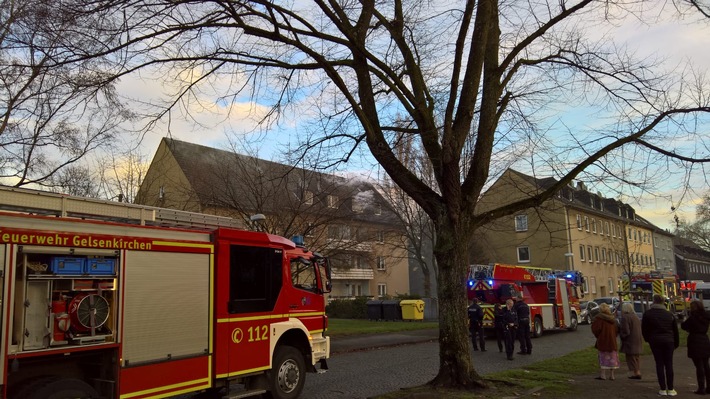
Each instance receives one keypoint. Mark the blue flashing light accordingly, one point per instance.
(298, 240)
(569, 276)
(470, 283)
(490, 282)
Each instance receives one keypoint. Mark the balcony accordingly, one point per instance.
(348, 245)
(352, 274)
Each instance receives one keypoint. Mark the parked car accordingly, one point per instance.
(589, 309)
(612, 301)
(639, 308)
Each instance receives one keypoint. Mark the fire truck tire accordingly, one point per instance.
(58, 388)
(573, 322)
(288, 374)
(537, 327)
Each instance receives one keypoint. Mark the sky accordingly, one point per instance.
(679, 40)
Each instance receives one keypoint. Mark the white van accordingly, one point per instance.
(704, 290)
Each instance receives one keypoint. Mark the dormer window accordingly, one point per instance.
(332, 201)
(308, 197)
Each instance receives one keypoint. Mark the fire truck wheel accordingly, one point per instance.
(288, 375)
(573, 322)
(58, 388)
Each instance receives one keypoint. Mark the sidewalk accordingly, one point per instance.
(623, 388)
(586, 386)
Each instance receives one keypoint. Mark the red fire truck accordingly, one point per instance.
(112, 300)
(551, 294)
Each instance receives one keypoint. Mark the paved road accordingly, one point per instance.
(363, 374)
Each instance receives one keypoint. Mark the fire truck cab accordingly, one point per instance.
(111, 300)
(551, 295)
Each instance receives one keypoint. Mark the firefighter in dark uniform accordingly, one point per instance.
(522, 310)
(475, 325)
(499, 326)
(510, 323)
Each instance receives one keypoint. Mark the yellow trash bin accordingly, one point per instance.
(412, 309)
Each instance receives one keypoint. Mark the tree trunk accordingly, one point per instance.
(455, 365)
(427, 282)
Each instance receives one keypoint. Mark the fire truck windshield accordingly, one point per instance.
(303, 274)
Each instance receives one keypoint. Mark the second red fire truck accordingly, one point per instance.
(110, 300)
(551, 295)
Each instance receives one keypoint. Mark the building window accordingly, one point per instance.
(606, 229)
(339, 232)
(594, 226)
(308, 197)
(581, 253)
(380, 263)
(354, 289)
(603, 255)
(378, 209)
(586, 223)
(589, 253)
(381, 290)
(611, 285)
(596, 254)
(521, 223)
(579, 222)
(332, 201)
(593, 284)
(380, 236)
(524, 254)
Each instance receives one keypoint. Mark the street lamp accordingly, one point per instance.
(257, 221)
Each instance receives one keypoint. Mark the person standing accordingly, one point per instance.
(631, 339)
(499, 326)
(660, 329)
(510, 323)
(699, 344)
(522, 310)
(475, 325)
(605, 330)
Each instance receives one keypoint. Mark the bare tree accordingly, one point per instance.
(55, 107)
(697, 231)
(485, 84)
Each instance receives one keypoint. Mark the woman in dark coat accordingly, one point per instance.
(699, 344)
(660, 329)
(604, 328)
(631, 339)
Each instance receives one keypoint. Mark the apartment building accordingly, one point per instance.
(575, 230)
(693, 262)
(345, 219)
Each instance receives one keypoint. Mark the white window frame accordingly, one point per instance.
(381, 290)
(611, 285)
(586, 224)
(593, 284)
(526, 248)
(521, 222)
(332, 201)
(381, 263)
(308, 197)
(594, 226)
(579, 222)
(581, 252)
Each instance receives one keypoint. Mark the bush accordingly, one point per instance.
(348, 308)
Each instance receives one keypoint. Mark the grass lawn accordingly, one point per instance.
(343, 327)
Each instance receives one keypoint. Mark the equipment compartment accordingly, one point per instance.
(67, 265)
(101, 266)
